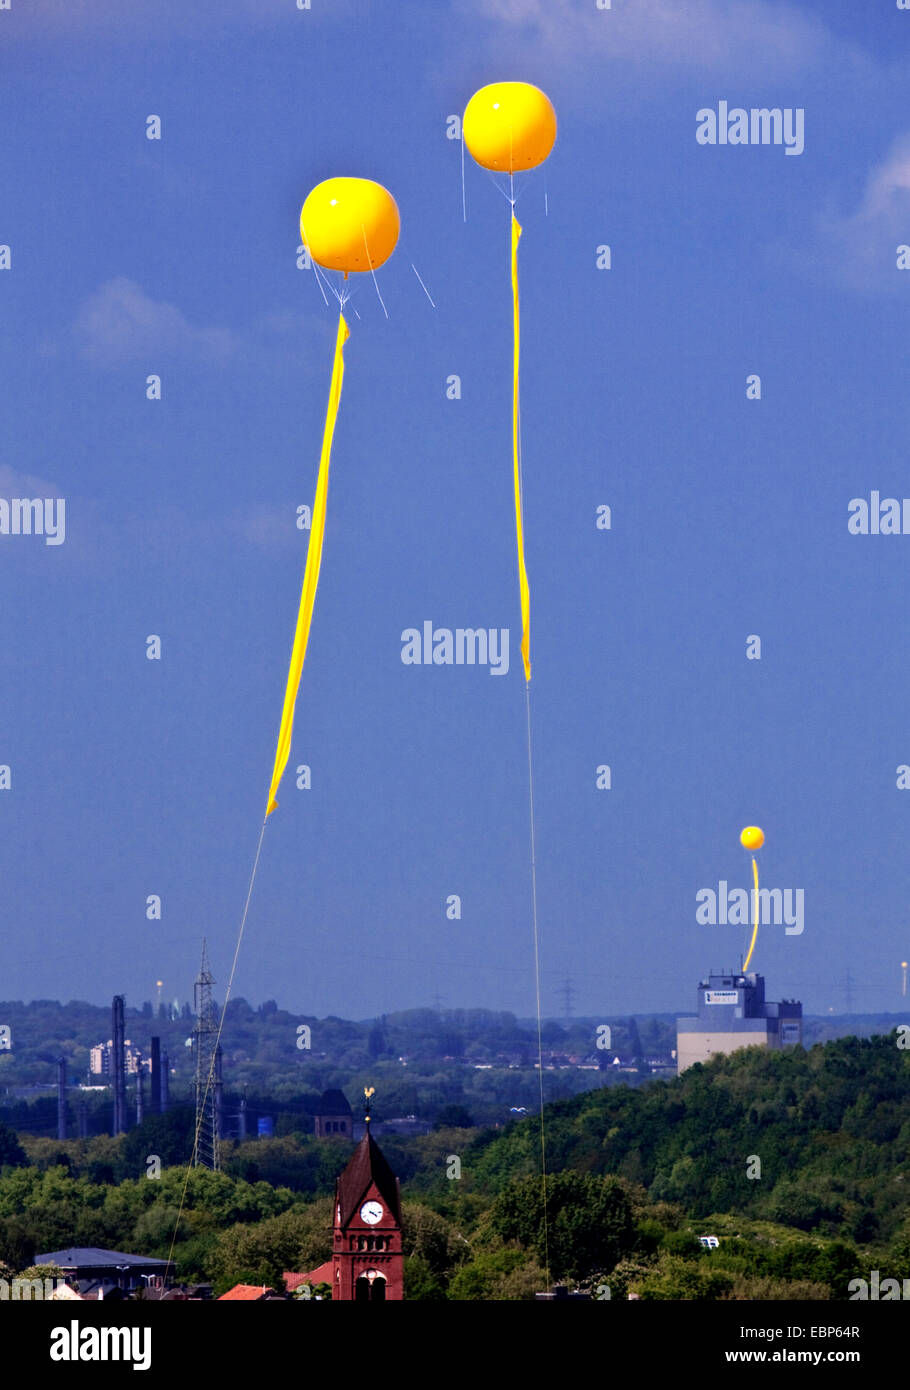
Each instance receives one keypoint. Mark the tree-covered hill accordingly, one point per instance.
(829, 1128)
(794, 1161)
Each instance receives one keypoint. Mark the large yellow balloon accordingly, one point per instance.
(509, 126)
(350, 224)
(752, 837)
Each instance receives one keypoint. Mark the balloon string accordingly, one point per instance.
(464, 205)
(422, 285)
(209, 1081)
(755, 928)
(316, 272)
(525, 652)
(318, 279)
(324, 283)
(543, 1141)
(372, 271)
(501, 191)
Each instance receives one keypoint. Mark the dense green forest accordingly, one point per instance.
(794, 1160)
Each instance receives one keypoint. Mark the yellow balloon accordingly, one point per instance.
(350, 224)
(509, 126)
(752, 837)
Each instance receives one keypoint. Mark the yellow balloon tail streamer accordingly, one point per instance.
(311, 573)
(516, 453)
(526, 658)
(755, 927)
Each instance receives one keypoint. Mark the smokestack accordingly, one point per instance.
(61, 1098)
(241, 1123)
(155, 1099)
(219, 1096)
(117, 1063)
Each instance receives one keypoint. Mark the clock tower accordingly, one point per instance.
(367, 1261)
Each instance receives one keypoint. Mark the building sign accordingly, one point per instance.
(721, 996)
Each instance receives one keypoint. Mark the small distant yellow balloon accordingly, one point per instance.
(752, 837)
(350, 224)
(509, 126)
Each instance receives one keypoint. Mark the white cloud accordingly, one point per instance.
(16, 484)
(127, 20)
(121, 323)
(861, 247)
(748, 38)
(886, 199)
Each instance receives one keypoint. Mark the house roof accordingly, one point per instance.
(100, 1289)
(367, 1165)
(246, 1293)
(91, 1257)
(322, 1274)
(333, 1103)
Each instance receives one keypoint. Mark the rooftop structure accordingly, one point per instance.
(733, 1013)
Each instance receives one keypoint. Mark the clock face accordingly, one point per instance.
(371, 1212)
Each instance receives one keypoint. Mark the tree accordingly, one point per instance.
(11, 1151)
(156, 1226)
(453, 1117)
(503, 1274)
(420, 1282)
(260, 1253)
(678, 1280)
(589, 1223)
(308, 1292)
(17, 1242)
(170, 1136)
(427, 1236)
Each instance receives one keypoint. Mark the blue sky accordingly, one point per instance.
(178, 257)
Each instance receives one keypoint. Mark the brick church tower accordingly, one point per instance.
(367, 1262)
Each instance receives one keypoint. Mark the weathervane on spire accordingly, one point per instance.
(369, 1092)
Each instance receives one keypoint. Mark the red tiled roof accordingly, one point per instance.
(246, 1293)
(321, 1275)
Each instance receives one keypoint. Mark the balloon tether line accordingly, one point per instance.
(516, 401)
(755, 928)
(423, 286)
(298, 655)
(211, 1076)
(372, 271)
(543, 1142)
(464, 204)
